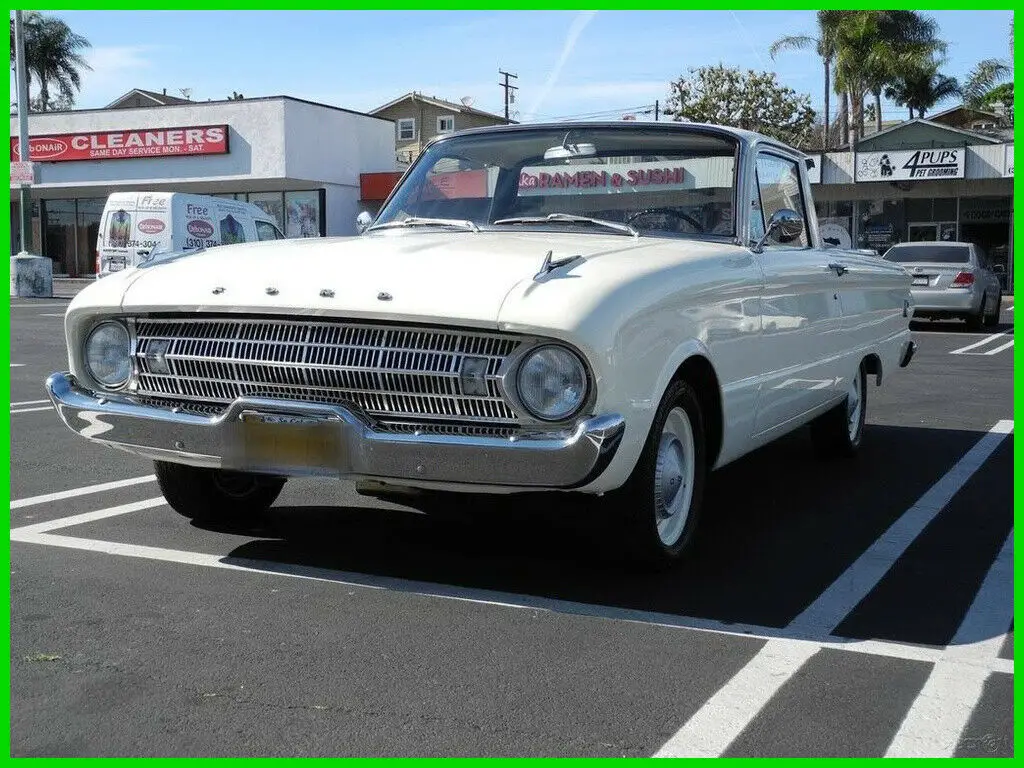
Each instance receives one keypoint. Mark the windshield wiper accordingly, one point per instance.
(423, 221)
(570, 218)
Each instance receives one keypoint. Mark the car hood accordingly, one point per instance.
(457, 278)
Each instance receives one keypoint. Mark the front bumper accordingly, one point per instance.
(306, 439)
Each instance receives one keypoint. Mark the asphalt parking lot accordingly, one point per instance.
(859, 608)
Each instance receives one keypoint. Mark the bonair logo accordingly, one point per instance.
(933, 163)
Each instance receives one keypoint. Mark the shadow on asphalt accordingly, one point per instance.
(778, 527)
(955, 326)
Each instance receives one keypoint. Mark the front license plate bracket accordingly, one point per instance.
(280, 441)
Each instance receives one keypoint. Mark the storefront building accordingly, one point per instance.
(299, 161)
(920, 180)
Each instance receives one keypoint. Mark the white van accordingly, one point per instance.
(138, 226)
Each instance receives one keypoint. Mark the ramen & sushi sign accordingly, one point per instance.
(123, 145)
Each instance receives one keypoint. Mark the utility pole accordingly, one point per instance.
(509, 95)
(656, 105)
(25, 197)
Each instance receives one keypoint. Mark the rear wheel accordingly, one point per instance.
(205, 494)
(656, 511)
(992, 320)
(975, 322)
(838, 432)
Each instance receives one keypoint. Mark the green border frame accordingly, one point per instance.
(537, 5)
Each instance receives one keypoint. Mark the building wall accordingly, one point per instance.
(276, 145)
(255, 142)
(426, 115)
(913, 136)
(334, 147)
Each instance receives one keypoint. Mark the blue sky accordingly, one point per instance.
(569, 63)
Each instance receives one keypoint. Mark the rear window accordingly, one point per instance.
(932, 254)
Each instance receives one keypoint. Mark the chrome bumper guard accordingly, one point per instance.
(306, 439)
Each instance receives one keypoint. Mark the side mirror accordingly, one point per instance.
(784, 225)
(363, 220)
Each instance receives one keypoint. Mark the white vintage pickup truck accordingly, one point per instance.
(604, 309)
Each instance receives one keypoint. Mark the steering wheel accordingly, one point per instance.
(671, 212)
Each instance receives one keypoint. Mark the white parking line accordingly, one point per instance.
(50, 314)
(940, 713)
(46, 498)
(30, 410)
(37, 306)
(28, 402)
(854, 584)
(28, 532)
(40, 533)
(722, 717)
(983, 342)
(999, 349)
(17, 365)
(705, 735)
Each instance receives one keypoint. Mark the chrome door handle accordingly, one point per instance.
(839, 269)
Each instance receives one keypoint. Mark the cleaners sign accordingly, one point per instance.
(123, 145)
(910, 165)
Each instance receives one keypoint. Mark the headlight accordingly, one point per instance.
(552, 383)
(108, 354)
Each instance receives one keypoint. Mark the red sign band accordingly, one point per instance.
(126, 145)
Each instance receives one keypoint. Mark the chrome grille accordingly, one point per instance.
(387, 372)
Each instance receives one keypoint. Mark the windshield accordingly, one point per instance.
(658, 182)
(930, 254)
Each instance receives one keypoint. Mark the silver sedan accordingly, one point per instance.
(950, 280)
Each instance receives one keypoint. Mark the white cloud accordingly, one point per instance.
(115, 71)
(575, 30)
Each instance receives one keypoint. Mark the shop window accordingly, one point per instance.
(304, 214)
(407, 129)
(90, 211)
(880, 224)
(59, 227)
(835, 222)
(271, 203)
(985, 221)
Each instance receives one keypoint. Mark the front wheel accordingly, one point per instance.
(203, 494)
(656, 511)
(838, 432)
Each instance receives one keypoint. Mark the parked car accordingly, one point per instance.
(950, 280)
(141, 226)
(602, 309)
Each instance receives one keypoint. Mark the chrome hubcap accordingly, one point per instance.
(853, 407)
(673, 477)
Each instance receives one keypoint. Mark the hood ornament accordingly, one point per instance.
(551, 264)
(218, 290)
(383, 296)
(272, 291)
(327, 293)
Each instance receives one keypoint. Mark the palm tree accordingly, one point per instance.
(911, 44)
(872, 47)
(982, 79)
(825, 46)
(52, 57)
(921, 88)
